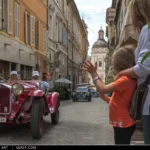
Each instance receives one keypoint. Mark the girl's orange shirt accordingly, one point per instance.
(120, 102)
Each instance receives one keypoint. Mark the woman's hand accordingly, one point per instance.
(89, 67)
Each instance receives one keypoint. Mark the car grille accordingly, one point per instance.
(81, 95)
(4, 100)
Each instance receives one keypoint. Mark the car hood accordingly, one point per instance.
(27, 85)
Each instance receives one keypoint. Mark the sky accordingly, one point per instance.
(94, 14)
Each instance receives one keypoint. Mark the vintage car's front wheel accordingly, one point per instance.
(55, 117)
(37, 120)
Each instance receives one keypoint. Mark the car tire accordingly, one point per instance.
(55, 117)
(37, 121)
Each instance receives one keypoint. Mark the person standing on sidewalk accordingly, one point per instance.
(50, 81)
(140, 18)
(119, 104)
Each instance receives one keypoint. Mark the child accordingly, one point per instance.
(122, 89)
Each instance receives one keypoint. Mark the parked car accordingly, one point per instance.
(24, 102)
(82, 93)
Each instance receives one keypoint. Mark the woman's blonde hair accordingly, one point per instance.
(123, 58)
(140, 13)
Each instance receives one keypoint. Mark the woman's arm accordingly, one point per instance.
(128, 72)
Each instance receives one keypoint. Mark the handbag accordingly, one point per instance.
(138, 100)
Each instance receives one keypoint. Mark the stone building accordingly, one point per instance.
(99, 51)
(23, 29)
(68, 40)
(119, 30)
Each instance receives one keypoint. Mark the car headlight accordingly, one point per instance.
(17, 89)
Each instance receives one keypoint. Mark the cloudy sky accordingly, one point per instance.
(93, 12)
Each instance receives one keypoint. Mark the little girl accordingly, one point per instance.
(119, 104)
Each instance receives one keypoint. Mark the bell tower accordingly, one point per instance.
(101, 34)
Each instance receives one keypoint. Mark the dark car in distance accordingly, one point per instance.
(82, 93)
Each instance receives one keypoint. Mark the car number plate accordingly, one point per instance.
(2, 119)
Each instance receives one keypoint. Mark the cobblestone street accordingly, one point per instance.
(80, 123)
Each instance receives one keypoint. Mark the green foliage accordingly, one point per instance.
(145, 57)
(62, 92)
(149, 25)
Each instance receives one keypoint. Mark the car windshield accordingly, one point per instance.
(82, 89)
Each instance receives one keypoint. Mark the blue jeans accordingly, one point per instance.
(146, 127)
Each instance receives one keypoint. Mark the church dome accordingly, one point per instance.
(100, 43)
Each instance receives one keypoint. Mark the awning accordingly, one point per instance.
(127, 35)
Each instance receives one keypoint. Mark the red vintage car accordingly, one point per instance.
(24, 102)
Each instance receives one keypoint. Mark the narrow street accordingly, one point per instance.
(80, 123)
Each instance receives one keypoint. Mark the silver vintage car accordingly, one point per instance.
(82, 93)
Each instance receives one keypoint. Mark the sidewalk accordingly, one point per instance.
(138, 138)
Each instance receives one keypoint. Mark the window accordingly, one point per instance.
(63, 59)
(65, 36)
(32, 31)
(4, 16)
(100, 64)
(56, 31)
(50, 28)
(27, 28)
(17, 20)
(60, 32)
(37, 24)
(50, 57)
(45, 40)
(101, 36)
(10, 8)
(13, 66)
(1, 13)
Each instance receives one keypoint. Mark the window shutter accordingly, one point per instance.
(45, 40)
(16, 24)
(18, 21)
(1, 14)
(32, 31)
(37, 34)
(26, 28)
(60, 32)
(10, 25)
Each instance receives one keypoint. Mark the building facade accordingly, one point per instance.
(99, 52)
(111, 35)
(68, 40)
(43, 35)
(23, 28)
(119, 30)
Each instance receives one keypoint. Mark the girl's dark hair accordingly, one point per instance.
(44, 77)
